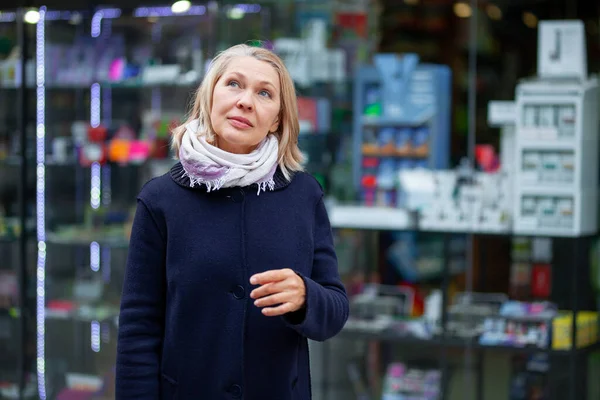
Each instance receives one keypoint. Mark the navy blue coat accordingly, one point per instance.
(187, 328)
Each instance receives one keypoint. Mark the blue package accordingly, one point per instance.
(386, 174)
(386, 141)
(403, 139)
(370, 145)
(420, 141)
(372, 101)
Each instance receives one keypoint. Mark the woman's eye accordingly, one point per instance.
(264, 93)
(233, 84)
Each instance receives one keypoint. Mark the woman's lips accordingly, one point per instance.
(240, 122)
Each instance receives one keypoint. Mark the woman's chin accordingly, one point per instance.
(234, 143)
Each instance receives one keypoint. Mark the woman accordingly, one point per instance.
(231, 262)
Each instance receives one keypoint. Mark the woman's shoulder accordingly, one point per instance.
(157, 187)
(306, 183)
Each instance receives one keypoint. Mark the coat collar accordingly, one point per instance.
(177, 174)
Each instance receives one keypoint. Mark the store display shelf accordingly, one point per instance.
(15, 86)
(467, 230)
(10, 390)
(414, 155)
(395, 121)
(532, 144)
(552, 233)
(10, 161)
(167, 162)
(388, 336)
(134, 84)
(532, 349)
(454, 342)
(377, 218)
(83, 314)
(8, 239)
(86, 239)
(137, 84)
(556, 189)
(397, 219)
(10, 313)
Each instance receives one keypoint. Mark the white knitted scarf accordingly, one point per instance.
(206, 164)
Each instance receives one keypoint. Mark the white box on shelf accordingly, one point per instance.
(501, 113)
(362, 217)
(548, 212)
(562, 49)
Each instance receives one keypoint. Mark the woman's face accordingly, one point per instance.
(245, 104)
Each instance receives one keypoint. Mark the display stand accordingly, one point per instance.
(556, 174)
(401, 120)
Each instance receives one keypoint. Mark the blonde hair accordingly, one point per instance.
(290, 157)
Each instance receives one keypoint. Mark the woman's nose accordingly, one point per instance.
(245, 101)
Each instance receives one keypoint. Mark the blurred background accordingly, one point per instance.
(457, 143)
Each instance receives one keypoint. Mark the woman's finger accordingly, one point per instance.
(275, 275)
(279, 310)
(274, 299)
(262, 291)
(292, 283)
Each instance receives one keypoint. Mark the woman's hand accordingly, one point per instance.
(281, 291)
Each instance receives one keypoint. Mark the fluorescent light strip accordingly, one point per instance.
(60, 15)
(94, 256)
(95, 103)
(95, 336)
(96, 24)
(95, 189)
(143, 12)
(105, 13)
(8, 17)
(40, 60)
(248, 8)
(111, 13)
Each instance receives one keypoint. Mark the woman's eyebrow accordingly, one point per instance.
(243, 77)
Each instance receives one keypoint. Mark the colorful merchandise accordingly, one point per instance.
(394, 123)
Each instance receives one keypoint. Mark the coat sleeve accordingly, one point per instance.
(326, 309)
(141, 320)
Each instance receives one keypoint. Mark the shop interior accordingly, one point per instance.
(456, 142)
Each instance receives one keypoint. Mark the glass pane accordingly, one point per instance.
(17, 207)
(115, 82)
(78, 328)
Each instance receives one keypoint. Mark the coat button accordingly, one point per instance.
(239, 292)
(236, 391)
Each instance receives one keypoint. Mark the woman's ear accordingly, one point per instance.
(275, 127)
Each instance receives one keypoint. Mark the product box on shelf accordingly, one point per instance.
(468, 311)
(587, 329)
(309, 60)
(403, 382)
(519, 324)
(449, 200)
(314, 115)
